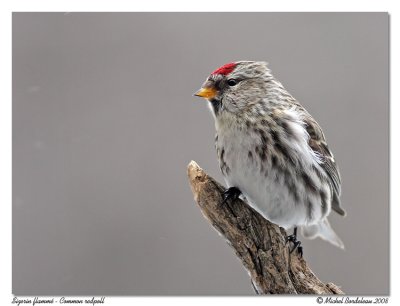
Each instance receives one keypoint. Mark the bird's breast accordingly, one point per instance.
(275, 191)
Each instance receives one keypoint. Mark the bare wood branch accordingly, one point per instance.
(258, 243)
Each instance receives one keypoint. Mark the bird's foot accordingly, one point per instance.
(232, 193)
(296, 244)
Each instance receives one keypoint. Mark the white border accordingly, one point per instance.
(6, 7)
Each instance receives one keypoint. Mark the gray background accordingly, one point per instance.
(104, 124)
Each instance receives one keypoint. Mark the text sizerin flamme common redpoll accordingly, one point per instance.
(272, 151)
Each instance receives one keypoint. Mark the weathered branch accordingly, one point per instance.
(258, 243)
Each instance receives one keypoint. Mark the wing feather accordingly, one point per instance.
(318, 144)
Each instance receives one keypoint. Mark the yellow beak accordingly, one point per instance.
(206, 93)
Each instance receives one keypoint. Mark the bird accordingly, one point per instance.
(272, 152)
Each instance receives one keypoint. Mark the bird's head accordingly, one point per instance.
(236, 86)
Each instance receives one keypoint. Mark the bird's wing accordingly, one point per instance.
(318, 144)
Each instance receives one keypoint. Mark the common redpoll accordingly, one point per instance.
(272, 151)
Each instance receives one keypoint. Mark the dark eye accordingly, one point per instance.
(232, 82)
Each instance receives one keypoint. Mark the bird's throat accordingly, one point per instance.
(215, 105)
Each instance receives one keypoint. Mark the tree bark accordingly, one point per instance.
(259, 244)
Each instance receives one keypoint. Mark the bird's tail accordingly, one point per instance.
(323, 230)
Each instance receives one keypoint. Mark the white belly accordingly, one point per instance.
(264, 186)
(265, 194)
